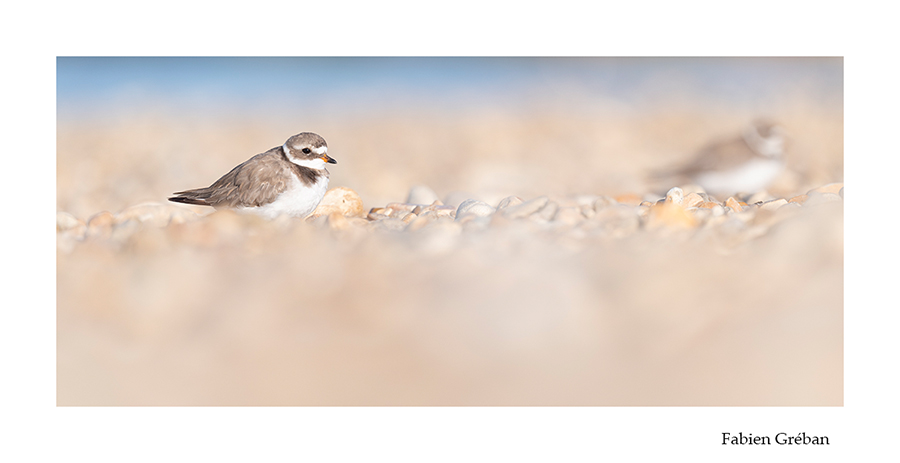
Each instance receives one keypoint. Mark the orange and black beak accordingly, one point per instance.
(328, 159)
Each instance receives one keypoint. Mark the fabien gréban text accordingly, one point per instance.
(781, 438)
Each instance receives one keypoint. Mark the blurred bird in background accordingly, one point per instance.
(746, 163)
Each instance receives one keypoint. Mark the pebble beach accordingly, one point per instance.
(679, 298)
(485, 252)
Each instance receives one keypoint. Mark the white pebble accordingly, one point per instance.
(509, 201)
(474, 207)
(675, 195)
(773, 204)
(527, 208)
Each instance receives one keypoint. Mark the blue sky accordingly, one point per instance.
(111, 83)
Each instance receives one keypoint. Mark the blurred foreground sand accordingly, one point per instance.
(231, 310)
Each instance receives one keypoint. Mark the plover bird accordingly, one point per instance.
(288, 179)
(747, 164)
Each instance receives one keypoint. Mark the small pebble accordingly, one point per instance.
(342, 200)
(509, 201)
(675, 195)
(443, 211)
(733, 204)
(799, 199)
(378, 213)
(773, 204)
(100, 225)
(431, 207)
(70, 226)
(403, 207)
(692, 200)
(474, 207)
(833, 188)
(65, 221)
(525, 209)
(398, 210)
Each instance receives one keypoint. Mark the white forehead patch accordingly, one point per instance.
(321, 150)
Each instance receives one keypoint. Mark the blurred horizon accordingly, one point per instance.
(94, 86)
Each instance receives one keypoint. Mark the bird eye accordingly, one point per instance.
(305, 150)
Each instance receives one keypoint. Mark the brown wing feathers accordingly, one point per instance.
(255, 182)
